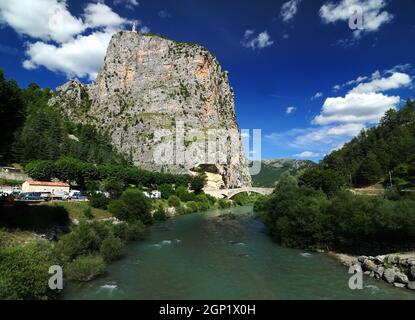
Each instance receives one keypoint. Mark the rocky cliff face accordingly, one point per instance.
(168, 104)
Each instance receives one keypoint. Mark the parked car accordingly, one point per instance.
(32, 196)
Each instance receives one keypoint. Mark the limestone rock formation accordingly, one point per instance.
(168, 104)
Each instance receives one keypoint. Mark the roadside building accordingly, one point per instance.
(54, 188)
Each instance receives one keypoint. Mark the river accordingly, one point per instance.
(215, 255)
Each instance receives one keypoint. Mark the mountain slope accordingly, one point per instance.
(379, 153)
(272, 170)
(153, 93)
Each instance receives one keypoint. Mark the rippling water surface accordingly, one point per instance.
(215, 256)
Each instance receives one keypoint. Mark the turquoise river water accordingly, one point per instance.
(210, 256)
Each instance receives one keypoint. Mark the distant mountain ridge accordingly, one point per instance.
(272, 170)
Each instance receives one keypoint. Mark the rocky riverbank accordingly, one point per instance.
(396, 269)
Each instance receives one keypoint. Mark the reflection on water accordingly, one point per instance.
(218, 255)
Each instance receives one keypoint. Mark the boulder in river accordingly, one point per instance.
(369, 265)
(411, 285)
(389, 275)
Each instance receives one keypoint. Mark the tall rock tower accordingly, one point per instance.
(159, 100)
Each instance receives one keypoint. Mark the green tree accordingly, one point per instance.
(198, 183)
(114, 187)
(174, 201)
(24, 272)
(166, 191)
(370, 171)
(132, 206)
(12, 111)
(111, 248)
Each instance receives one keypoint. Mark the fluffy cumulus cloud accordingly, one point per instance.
(41, 19)
(59, 41)
(259, 41)
(395, 81)
(374, 15)
(365, 103)
(289, 10)
(344, 117)
(100, 15)
(81, 57)
(356, 108)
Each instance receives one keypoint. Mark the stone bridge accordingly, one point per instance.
(230, 193)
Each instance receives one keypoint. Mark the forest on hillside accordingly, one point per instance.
(385, 153)
(32, 130)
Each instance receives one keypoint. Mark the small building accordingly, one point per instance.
(54, 188)
(155, 194)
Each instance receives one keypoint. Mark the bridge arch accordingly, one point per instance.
(230, 193)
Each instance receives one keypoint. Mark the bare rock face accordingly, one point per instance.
(168, 104)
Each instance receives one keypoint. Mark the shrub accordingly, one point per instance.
(181, 210)
(82, 240)
(85, 268)
(160, 214)
(224, 204)
(133, 205)
(174, 201)
(198, 183)
(192, 207)
(327, 180)
(136, 230)
(166, 191)
(111, 248)
(99, 201)
(24, 272)
(184, 194)
(88, 213)
(121, 231)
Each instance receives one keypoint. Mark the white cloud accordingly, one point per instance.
(374, 17)
(290, 110)
(100, 15)
(344, 117)
(261, 41)
(41, 19)
(375, 75)
(317, 96)
(129, 4)
(65, 45)
(356, 108)
(395, 81)
(365, 103)
(81, 57)
(289, 9)
(307, 154)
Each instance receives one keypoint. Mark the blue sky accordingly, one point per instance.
(300, 74)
